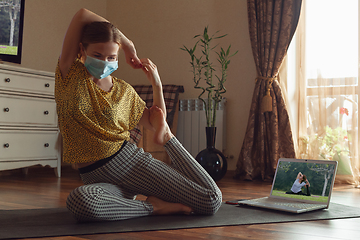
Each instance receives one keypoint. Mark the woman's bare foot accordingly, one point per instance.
(162, 131)
(166, 208)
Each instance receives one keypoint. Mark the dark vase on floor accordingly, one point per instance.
(211, 159)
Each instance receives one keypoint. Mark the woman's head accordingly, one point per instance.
(100, 32)
(99, 48)
(100, 40)
(303, 178)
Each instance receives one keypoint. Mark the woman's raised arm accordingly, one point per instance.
(71, 44)
(72, 39)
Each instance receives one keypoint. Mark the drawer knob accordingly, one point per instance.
(7, 80)
(46, 112)
(6, 145)
(46, 145)
(47, 84)
(6, 109)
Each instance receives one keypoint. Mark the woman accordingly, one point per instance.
(96, 112)
(300, 182)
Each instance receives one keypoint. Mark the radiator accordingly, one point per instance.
(192, 124)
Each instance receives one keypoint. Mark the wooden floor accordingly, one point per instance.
(41, 189)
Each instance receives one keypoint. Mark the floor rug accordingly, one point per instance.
(59, 222)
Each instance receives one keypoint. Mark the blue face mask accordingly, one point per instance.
(100, 69)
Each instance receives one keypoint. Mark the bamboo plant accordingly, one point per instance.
(203, 70)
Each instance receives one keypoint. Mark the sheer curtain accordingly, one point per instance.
(326, 58)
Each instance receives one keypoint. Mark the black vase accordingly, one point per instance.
(211, 159)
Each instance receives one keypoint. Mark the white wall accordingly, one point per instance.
(158, 28)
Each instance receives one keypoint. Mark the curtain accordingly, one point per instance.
(268, 136)
(328, 106)
(331, 116)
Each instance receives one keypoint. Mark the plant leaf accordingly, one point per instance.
(221, 36)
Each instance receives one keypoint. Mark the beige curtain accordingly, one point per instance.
(268, 137)
(327, 116)
(331, 117)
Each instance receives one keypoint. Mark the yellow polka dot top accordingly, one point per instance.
(94, 123)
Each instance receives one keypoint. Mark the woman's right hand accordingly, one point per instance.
(130, 54)
(151, 71)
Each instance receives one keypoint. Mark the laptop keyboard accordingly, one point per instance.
(278, 202)
(296, 205)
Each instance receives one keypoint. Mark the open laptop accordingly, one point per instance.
(320, 175)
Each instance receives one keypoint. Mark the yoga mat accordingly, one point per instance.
(59, 222)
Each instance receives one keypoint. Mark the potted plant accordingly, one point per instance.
(203, 70)
(212, 85)
(332, 145)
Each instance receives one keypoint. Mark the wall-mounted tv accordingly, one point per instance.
(11, 29)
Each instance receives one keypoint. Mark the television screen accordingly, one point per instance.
(11, 29)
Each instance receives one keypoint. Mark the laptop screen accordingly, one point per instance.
(307, 180)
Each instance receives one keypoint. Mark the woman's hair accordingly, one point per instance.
(100, 32)
(304, 178)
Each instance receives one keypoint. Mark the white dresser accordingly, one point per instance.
(28, 120)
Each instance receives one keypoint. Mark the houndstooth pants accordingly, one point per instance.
(110, 190)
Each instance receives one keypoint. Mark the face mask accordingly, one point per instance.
(100, 69)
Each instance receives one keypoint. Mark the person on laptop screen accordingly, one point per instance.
(300, 182)
(321, 174)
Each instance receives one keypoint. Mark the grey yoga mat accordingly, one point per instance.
(59, 222)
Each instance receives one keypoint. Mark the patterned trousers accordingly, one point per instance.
(110, 190)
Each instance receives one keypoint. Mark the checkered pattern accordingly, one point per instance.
(110, 190)
(171, 97)
(135, 135)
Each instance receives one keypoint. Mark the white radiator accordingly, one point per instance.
(192, 124)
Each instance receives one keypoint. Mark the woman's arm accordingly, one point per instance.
(152, 74)
(299, 175)
(71, 43)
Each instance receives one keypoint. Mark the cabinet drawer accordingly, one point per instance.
(30, 111)
(28, 145)
(31, 83)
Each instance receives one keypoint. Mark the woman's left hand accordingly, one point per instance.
(151, 71)
(130, 54)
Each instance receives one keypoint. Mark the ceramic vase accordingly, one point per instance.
(211, 159)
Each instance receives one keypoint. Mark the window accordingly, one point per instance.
(328, 56)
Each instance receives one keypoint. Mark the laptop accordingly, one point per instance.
(291, 193)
